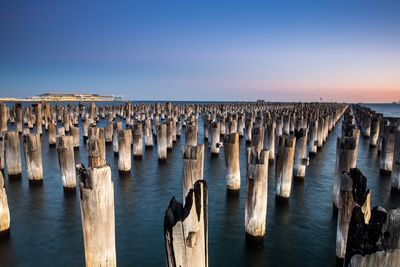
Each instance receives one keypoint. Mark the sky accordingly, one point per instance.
(203, 50)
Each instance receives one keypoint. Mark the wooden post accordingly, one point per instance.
(148, 135)
(13, 155)
(301, 155)
(124, 151)
(97, 214)
(313, 138)
(85, 130)
(4, 210)
(2, 155)
(66, 161)
(388, 139)
(353, 192)
(270, 140)
(108, 132)
(18, 117)
(75, 136)
(52, 134)
(193, 167)
(374, 133)
(39, 120)
(395, 176)
(215, 139)
(249, 128)
(346, 159)
(284, 166)
(137, 132)
(231, 147)
(60, 131)
(169, 134)
(256, 196)
(117, 127)
(162, 142)
(96, 152)
(3, 117)
(186, 229)
(33, 157)
(191, 135)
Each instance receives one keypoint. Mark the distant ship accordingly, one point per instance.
(398, 103)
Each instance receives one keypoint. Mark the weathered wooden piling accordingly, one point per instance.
(75, 136)
(137, 137)
(162, 142)
(256, 196)
(232, 163)
(301, 154)
(284, 166)
(3, 117)
(215, 143)
(97, 213)
(117, 127)
(85, 130)
(313, 138)
(39, 120)
(96, 152)
(269, 143)
(353, 192)
(33, 157)
(2, 153)
(395, 176)
(13, 155)
(18, 117)
(66, 161)
(346, 159)
(376, 241)
(388, 140)
(148, 135)
(52, 134)
(374, 132)
(257, 138)
(191, 135)
(124, 151)
(186, 229)
(4, 210)
(193, 166)
(108, 132)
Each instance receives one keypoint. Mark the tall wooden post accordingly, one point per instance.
(148, 135)
(215, 139)
(13, 155)
(66, 161)
(193, 166)
(284, 166)
(18, 117)
(75, 136)
(4, 210)
(301, 154)
(270, 140)
(256, 196)
(2, 153)
(3, 117)
(191, 135)
(124, 151)
(137, 137)
(232, 163)
(33, 157)
(117, 128)
(97, 213)
(162, 142)
(395, 176)
(388, 139)
(313, 138)
(186, 229)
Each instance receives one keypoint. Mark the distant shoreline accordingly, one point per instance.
(16, 100)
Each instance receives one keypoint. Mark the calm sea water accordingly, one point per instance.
(46, 225)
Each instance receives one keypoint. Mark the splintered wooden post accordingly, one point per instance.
(38, 112)
(148, 135)
(4, 210)
(96, 152)
(284, 166)
(60, 131)
(162, 142)
(191, 135)
(270, 140)
(313, 138)
(85, 130)
(137, 132)
(97, 214)
(346, 159)
(388, 140)
(169, 135)
(353, 192)
(374, 133)
(301, 155)
(257, 138)
(33, 157)
(256, 196)
(2, 153)
(75, 136)
(108, 132)
(66, 161)
(249, 128)
(13, 155)
(117, 127)
(215, 139)
(231, 147)
(193, 166)
(52, 134)
(124, 151)
(373, 241)
(395, 176)
(186, 229)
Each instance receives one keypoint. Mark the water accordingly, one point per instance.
(46, 226)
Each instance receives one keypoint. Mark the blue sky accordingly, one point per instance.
(203, 50)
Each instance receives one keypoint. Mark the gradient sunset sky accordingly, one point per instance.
(203, 50)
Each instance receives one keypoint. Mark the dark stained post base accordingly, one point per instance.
(15, 177)
(69, 190)
(254, 241)
(299, 178)
(148, 147)
(137, 156)
(5, 235)
(233, 193)
(162, 160)
(214, 155)
(281, 200)
(35, 182)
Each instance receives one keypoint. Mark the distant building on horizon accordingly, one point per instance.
(75, 97)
